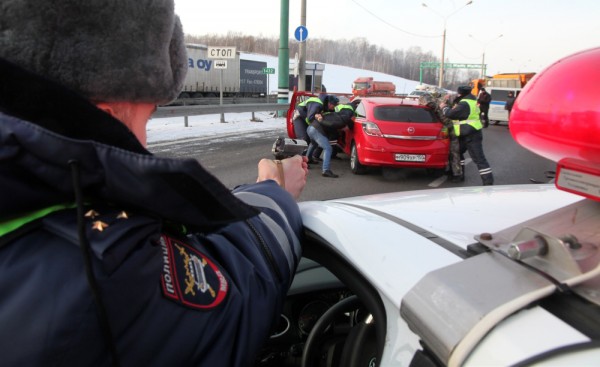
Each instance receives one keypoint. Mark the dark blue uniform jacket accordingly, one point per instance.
(179, 270)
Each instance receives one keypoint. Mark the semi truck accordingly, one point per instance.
(366, 86)
(243, 78)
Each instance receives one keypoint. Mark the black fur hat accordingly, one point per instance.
(106, 50)
(463, 90)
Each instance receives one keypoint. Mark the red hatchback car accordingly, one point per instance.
(390, 132)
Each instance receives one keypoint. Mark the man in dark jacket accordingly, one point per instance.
(320, 130)
(467, 127)
(109, 255)
(483, 100)
(510, 101)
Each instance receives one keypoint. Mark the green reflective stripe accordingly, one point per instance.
(11, 225)
(340, 107)
(311, 99)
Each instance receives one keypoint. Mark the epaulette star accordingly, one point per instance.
(99, 225)
(91, 214)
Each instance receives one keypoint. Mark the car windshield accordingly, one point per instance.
(403, 114)
(359, 86)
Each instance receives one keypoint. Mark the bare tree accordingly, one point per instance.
(357, 53)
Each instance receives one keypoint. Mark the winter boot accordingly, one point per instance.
(328, 173)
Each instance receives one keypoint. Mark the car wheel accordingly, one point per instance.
(355, 165)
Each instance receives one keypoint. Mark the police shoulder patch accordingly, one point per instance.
(189, 277)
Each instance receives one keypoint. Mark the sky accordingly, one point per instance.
(336, 78)
(508, 35)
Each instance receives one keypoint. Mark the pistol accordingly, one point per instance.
(286, 147)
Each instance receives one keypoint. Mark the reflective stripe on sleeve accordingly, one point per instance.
(259, 200)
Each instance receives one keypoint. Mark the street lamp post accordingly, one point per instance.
(445, 18)
(485, 44)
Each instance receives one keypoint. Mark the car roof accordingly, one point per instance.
(405, 101)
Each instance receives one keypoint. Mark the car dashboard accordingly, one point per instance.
(314, 291)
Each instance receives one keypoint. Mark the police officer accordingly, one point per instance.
(110, 255)
(467, 127)
(306, 113)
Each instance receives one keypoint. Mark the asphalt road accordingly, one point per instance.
(233, 160)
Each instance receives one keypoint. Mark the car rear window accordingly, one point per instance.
(404, 114)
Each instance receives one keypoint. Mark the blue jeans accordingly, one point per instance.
(322, 141)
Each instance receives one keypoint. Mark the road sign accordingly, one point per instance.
(221, 52)
(268, 70)
(220, 64)
(301, 33)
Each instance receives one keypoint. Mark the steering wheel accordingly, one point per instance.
(354, 340)
(360, 349)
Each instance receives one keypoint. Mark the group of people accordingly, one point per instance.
(318, 121)
(462, 118)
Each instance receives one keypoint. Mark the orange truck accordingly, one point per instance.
(366, 86)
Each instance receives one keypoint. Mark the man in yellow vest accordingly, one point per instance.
(467, 127)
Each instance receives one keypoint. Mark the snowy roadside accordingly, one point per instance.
(164, 130)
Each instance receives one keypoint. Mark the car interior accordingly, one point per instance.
(332, 316)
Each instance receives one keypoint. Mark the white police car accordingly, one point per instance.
(473, 276)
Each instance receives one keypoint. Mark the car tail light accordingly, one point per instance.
(443, 133)
(371, 129)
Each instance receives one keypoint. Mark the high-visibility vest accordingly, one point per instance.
(472, 119)
(311, 99)
(340, 107)
(305, 102)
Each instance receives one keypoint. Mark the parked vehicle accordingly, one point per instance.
(390, 132)
(505, 275)
(498, 87)
(422, 89)
(366, 86)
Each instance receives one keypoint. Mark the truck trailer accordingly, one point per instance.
(241, 78)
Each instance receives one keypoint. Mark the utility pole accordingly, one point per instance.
(284, 55)
(302, 51)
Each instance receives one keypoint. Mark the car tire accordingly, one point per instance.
(355, 166)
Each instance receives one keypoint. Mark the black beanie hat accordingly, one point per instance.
(106, 50)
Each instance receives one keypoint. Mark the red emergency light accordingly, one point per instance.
(557, 115)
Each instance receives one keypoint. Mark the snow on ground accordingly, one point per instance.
(337, 79)
(210, 126)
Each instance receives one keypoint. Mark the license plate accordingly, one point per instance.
(410, 157)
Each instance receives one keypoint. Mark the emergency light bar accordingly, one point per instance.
(557, 115)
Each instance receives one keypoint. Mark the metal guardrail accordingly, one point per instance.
(179, 111)
(185, 111)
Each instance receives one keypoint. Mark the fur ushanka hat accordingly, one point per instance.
(106, 50)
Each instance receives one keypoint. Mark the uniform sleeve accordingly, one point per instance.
(459, 112)
(258, 258)
(279, 224)
(313, 109)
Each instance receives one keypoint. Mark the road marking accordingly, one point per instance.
(440, 180)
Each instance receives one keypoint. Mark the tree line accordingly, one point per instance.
(356, 53)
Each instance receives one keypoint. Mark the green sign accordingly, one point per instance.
(449, 65)
(268, 70)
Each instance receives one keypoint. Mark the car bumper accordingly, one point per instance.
(436, 155)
